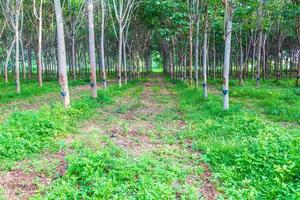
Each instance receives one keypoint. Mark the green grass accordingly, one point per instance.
(110, 173)
(26, 133)
(253, 158)
(277, 100)
(31, 89)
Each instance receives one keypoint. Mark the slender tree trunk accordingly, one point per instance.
(125, 61)
(253, 56)
(90, 8)
(298, 74)
(102, 44)
(40, 60)
(120, 55)
(185, 66)
(215, 62)
(205, 56)
(18, 89)
(227, 55)
(62, 63)
(23, 62)
(241, 60)
(197, 46)
(29, 63)
(73, 57)
(191, 51)
(7, 61)
(260, 38)
(264, 56)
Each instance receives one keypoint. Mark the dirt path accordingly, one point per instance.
(150, 122)
(145, 121)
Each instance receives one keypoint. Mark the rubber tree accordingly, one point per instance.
(61, 51)
(191, 25)
(39, 16)
(103, 13)
(17, 34)
(13, 14)
(197, 44)
(260, 40)
(90, 8)
(228, 30)
(122, 9)
(205, 52)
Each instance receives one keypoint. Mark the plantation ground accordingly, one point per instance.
(153, 139)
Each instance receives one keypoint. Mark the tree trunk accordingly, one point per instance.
(18, 89)
(298, 75)
(120, 55)
(7, 60)
(227, 55)
(205, 56)
(40, 61)
(125, 62)
(73, 57)
(241, 60)
(197, 46)
(258, 59)
(92, 48)
(191, 51)
(29, 63)
(62, 64)
(102, 44)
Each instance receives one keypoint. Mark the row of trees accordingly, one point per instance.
(105, 37)
(265, 35)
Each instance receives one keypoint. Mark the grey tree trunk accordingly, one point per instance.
(197, 46)
(7, 60)
(90, 8)
(125, 62)
(241, 60)
(120, 56)
(62, 64)
(40, 60)
(191, 52)
(18, 89)
(259, 46)
(102, 44)
(229, 11)
(73, 57)
(29, 63)
(298, 74)
(215, 62)
(23, 61)
(205, 57)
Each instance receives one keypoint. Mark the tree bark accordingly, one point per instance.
(18, 89)
(90, 8)
(62, 63)
(229, 11)
(40, 60)
(191, 51)
(197, 46)
(205, 56)
(102, 44)
(7, 60)
(120, 56)
(29, 63)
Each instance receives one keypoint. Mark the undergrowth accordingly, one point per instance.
(31, 89)
(277, 100)
(252, 158)
(27, 132)
(110, 173)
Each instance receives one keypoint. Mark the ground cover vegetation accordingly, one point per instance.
(164, 99)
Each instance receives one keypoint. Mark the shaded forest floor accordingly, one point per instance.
(153, 139)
